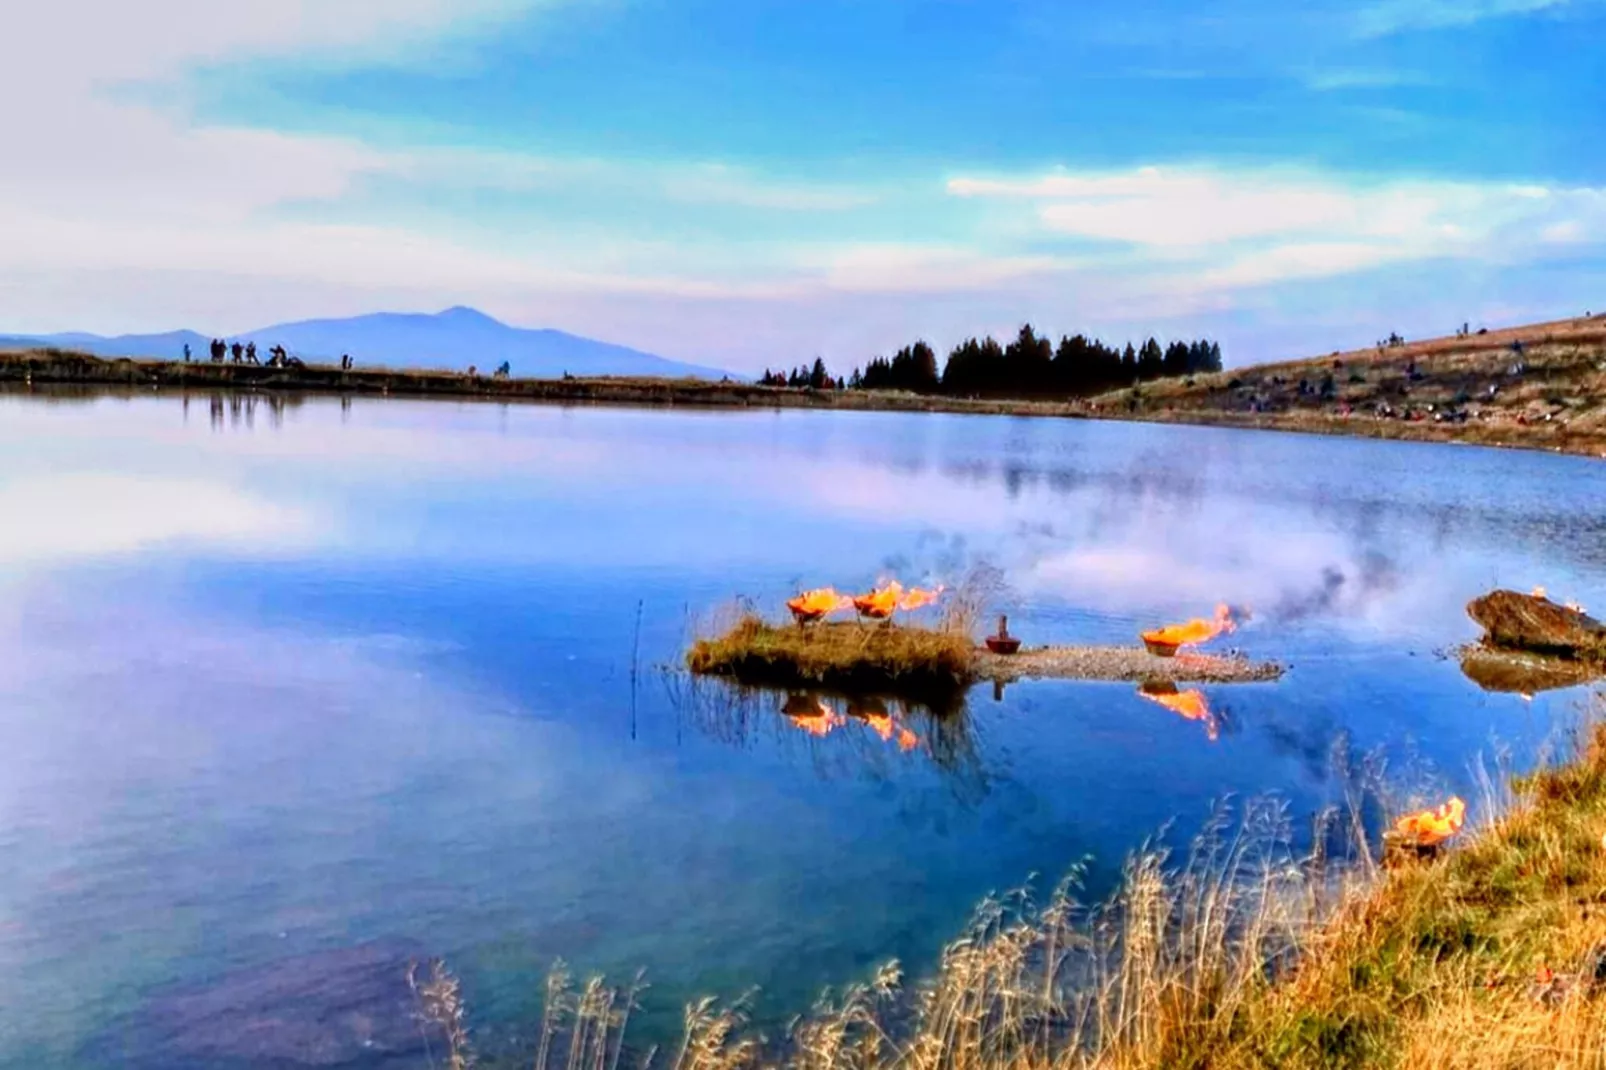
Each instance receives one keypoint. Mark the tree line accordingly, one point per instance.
(1033, 365)
(814, 378)
(1028, 366)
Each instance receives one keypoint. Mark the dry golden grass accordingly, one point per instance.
(1489, 956)
(1241, 956)
(889, 658)
(932, 664)
(1540, 386)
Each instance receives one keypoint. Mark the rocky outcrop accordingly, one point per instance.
(1515, 621)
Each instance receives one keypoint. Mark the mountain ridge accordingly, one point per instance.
(453, 338)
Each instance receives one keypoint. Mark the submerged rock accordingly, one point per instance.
(350, 1008)
(1516, 621)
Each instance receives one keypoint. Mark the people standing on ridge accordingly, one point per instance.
(186, 352)
(238, 352)
(251, 353)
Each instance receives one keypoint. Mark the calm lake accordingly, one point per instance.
(279, 681)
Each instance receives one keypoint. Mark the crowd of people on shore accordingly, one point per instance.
(222, 352)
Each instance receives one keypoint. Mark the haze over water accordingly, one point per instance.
(278, 681)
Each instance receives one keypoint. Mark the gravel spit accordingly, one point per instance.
(1132, 664)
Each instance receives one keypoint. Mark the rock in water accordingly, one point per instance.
(349, 1008)
(1517, 672)
(1518, 621)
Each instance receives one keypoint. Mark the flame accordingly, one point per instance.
(874, 713)
(1195, 631)
(1540, 592)
(916, 598)
(1190, 704)
(812, 605)
(811, 714)
(880, 603)
(1431, 827)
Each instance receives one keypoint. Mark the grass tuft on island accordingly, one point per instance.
(926, 664)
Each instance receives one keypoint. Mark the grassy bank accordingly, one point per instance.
(1534, 387)
(1241, 955)
(931, 665)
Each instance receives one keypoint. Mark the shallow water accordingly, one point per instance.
(278, 681)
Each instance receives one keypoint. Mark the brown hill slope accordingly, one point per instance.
(1539, 386)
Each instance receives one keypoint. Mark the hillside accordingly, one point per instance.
(1540, 386)
(453, 339)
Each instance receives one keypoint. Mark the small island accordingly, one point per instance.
(935, 663)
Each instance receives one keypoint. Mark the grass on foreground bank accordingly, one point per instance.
(1242, 956)
(886, 658)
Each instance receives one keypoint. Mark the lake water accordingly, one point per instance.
(281, 680)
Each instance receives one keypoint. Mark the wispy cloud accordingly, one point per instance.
(1253, 226)
(710, 183)
(1399, 16)
(1339, 79)
(909, 268)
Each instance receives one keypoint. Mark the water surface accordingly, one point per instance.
(281, 680)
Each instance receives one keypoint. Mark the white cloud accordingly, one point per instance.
(74, 42)
(1252, 226)
(112, 185)
(69, 515)
(902, 268)
(1397, 16)
(1329, 81)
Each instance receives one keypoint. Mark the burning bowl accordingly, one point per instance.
(1006, 644)
(1160, 648)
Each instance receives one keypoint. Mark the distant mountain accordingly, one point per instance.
(454, 339)
(170, 345)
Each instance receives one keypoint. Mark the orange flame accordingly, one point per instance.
(812, 605)
(1195, 631)
(1540, 592)
(811, 714)
(874, 713)
(880, 603)
(883, 725)
(1431, 827)
(918, 598)
(1190, 704)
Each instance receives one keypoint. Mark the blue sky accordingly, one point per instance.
(756, 183)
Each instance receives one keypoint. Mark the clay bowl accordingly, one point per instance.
(804, 616)
(1007, 645)
(1159, 648)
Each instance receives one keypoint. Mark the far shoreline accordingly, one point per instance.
(65, 368)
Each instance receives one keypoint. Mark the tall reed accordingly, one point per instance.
(1243, 952)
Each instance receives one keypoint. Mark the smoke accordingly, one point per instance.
(1347, 590)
